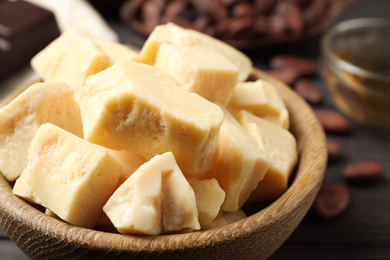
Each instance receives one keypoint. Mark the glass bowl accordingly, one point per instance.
(355, 65)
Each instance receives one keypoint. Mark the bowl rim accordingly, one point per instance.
(350, 25)
(297, 200)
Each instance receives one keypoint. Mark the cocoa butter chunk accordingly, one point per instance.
(280, 147)
(140, 108)
(199, 70)
(261, 99)
(76, 55)
(209, 198)
(25, 29)
(156, 199)
(68, 175)
(129, 161)
(19, 120)
(178, 36)
(241, 164)
(71, 58)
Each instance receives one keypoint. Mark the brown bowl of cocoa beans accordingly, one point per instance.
(245, 24)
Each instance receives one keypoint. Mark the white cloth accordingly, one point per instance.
(78, 14)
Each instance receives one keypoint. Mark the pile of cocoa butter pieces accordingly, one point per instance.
(333, 199)
(237, 22)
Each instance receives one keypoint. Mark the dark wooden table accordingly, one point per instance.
(363, 231)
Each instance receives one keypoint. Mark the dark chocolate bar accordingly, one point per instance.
(25, 29)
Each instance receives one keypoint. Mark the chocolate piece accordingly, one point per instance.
(25, 29)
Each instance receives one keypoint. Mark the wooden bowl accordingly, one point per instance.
(255, 237)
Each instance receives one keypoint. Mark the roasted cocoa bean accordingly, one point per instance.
(331, 201)
(243, 9)
(285, 75)
(202, 6)
(172, 11)
(229, 2)
(333, 122)
(264, 6)
(363, 172)
(277, 25)
(293, 18)
(316, 11)
(260, 24)
(334, 150)
(283, 18)
(232, 28)
(304, 66)
(308, 91)
(218, 11)
(151, 14)
(202, 23)
(129, 10)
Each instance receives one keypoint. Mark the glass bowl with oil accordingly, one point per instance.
(355, 65)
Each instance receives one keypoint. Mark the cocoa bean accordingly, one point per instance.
(229, 2)
(202, 6)
(232, 28)
(304, 66)
(129, 10)
(243, 9)
(151, 14)
(363, 172)
(316, 11)
(202, 23)
(218, 11)
(293, 18)
(333, 122)
(334, 150)
(308, 91)
(260, 24)
(277, 25)
(331, 201)
(264, 6)
(172, 11)
(285, 75)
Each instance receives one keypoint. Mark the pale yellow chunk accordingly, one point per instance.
(71, 58)
(68, 175)
(209, 198)
(261, 99)
(225, 218)
(241, 163)
(139, 108)
(281, 150)
(116, 51)
(199, 70)
(156, 199)
(129, 161)
(178, 36)
(20, 119)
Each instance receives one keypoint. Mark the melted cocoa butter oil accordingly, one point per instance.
(373, 57)
(366, 99)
